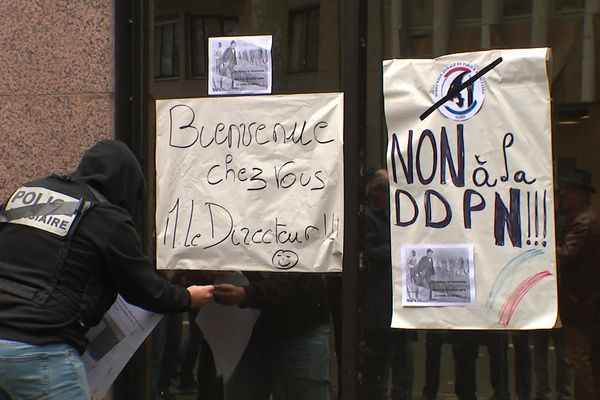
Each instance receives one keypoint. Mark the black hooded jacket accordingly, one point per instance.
(54, 287)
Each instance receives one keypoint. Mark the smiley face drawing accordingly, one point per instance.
(284, 259)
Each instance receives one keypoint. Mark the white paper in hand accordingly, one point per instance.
(227, 329)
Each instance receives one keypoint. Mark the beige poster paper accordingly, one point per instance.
(471, 191)
(250, 183)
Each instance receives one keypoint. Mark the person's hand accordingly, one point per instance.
(200, 295)
(229, 294)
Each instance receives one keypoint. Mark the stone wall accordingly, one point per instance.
(57, 86)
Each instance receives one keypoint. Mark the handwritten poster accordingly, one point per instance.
(250, 183)
(471, 191)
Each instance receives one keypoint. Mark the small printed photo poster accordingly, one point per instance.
(240, 65)
(438, 275)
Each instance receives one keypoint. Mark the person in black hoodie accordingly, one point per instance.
(68, 246)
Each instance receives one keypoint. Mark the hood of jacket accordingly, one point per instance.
(112, 169)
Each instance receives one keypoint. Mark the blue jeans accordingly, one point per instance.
(295, 368)
(46, 372)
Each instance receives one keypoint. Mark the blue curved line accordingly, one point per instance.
(468, 110)
(507, 271)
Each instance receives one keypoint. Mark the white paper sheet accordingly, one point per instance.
(250, 183)
(240, 65)
(227, 329)
(475, 170)
(114, 341)
(437, 275)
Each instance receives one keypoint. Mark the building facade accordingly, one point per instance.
(79, 71)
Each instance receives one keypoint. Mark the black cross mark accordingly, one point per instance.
(454, 92)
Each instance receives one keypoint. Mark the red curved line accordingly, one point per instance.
(510, 304)
(517, 299)
(518, 295)
(456, 69)
(508, 308)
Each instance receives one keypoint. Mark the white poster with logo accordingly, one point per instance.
(471, 191)
(250, 183)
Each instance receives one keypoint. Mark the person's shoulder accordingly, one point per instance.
(107, 218)
(593, 213)
(591, 217)
(106, 227)
(587, 217)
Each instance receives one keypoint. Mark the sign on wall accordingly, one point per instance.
(250, 183)
(471, 191)
(240, 65)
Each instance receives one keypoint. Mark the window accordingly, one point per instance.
(420, 13)
(201, 28)
(569, 5)
(304, 40)
(514, 8)
(298, 47)
(466, 10)
(166, 50)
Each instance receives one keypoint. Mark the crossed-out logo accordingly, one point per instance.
(469, 100)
